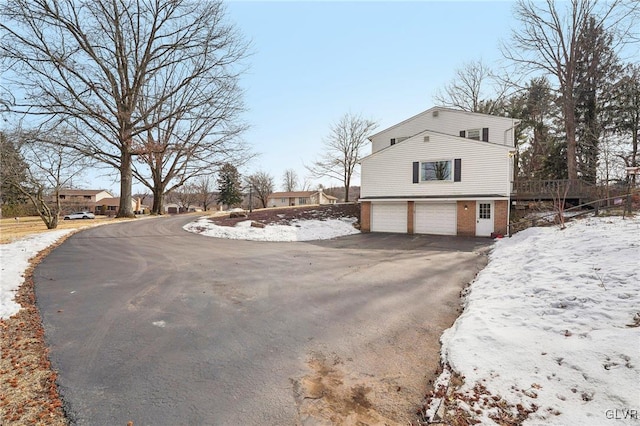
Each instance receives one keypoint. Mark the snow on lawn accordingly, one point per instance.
(298, 230)
(14, 258)
(553, 321)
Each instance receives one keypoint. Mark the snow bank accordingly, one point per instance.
(550, 321)
(299, 230)
(14, 258)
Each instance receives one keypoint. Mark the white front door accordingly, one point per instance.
(484, 218)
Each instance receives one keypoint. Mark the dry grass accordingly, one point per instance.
(12, 229)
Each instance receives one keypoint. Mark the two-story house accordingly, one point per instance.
(82, 199)
(442, 171)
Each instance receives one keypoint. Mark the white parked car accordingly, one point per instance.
(80, 215)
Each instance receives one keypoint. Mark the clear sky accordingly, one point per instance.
(315, 61)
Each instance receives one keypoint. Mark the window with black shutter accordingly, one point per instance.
(457, 170)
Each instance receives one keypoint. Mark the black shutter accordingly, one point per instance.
(393, 141)
(457, 169)
(463, 134)
(416, 171)
(485, 134)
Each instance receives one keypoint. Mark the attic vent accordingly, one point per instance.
(434, 114)
(426, 138)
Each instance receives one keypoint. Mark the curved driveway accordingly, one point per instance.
(155, 325)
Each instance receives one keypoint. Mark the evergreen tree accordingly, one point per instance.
(597, 65)
(625, 114)
(13, 173)
(229, 185)
(538, 117)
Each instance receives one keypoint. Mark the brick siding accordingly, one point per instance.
(466, 225)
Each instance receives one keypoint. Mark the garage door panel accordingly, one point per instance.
(390, 217)
(435, 218)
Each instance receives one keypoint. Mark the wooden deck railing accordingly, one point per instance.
(532, 189)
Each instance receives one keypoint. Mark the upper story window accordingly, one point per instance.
(435, 170)
(474, 134)
(398, 140)
(87, 197)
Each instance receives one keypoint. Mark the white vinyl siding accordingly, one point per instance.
(485, 168)
(435, 218)
(450, 122)
(389, 217)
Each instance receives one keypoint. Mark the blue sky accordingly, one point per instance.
(315, 61)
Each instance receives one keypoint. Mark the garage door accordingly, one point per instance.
(389, 217)
(435, 218)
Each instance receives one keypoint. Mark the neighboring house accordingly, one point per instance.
(299, 198)
(93, 200)
(110, 206)
(81, 199)
(82, 196)
(171, 208)
(442, 171)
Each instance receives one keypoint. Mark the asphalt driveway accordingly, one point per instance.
(151, 324)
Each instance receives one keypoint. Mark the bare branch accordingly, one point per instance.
(117, 70)
(343, 150)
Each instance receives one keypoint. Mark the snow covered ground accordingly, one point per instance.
(14, 258)
(298, 230)
(553, 321)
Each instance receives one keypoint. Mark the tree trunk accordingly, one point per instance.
(126, 181)
(53, 223)
(634, 154)
(158, 198)
(570, 129)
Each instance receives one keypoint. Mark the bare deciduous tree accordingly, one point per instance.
(185, 196)
(201, 134)
(95, 65)
(50, 167)
(262, 185)
(548, 40)
(203, 187)
(343, 150)
(289, 180)
(475, 88)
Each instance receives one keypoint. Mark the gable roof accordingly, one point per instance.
(81, 191)
(438, 108)
(446, 135)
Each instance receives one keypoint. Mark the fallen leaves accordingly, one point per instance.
(28, 390)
